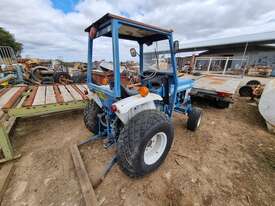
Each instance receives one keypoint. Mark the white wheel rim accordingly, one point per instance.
(199, 122)
(155, 148)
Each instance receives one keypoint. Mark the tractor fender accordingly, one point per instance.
(130, 106)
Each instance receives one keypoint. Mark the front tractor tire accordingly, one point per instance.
(194, 119)
(144, 143)
(91, 120)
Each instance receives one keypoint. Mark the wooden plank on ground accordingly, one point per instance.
(40, 96)
(15, 98)
(84, 181)
(50, 96)
(6, 97)
(6, 173)
(65, 94)
(74, 93)
(29, 100)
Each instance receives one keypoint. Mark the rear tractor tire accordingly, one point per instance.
(194, 119)
(91, 120)
(144, 143)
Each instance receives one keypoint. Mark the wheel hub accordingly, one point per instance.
(155, 148)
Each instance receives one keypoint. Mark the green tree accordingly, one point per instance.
(7, 39)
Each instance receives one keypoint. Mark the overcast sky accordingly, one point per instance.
(55, 28)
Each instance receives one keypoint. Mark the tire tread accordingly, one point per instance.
(193, 118)
(90, 116)
(129, 139)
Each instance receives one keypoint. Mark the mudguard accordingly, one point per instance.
(130, 106)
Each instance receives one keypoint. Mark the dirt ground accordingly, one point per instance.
(230, 160)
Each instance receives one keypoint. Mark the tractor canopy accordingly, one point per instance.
(129, 29)
(148, 38)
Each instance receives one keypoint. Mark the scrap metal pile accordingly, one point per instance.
(32, 71)
(103, 73)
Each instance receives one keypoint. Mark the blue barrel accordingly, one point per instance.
(273, 73)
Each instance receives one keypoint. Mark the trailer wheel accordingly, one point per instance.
(246, 91)
(253, 83)
(222, 104)
(91, 120)
(194, 119)
(144, 143)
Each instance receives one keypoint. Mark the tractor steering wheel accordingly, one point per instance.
(148, 74)
(152, 78)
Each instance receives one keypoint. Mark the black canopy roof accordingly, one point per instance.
(131, 29)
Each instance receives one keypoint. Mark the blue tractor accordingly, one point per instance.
(137, 120)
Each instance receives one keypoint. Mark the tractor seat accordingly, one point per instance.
(125, 92)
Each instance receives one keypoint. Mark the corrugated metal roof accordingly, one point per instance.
(257, 38)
